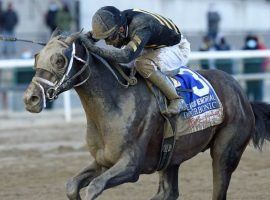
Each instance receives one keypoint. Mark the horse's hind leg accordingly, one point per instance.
(81, 180)
(226, 152)
(168, 184)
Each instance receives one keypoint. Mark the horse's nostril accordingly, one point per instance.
(34, 99)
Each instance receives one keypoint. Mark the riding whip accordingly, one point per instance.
(13, 39)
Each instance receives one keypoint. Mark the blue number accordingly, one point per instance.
(199, 92)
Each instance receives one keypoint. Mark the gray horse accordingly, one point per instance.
(125, 127)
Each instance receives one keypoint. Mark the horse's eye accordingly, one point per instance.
(57, 60)
(60, 61)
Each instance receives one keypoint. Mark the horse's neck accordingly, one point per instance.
(102, 94)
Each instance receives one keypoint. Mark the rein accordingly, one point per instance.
(131, 80)
(13, 39)
(57, 87)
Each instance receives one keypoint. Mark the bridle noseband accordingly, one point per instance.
(65, 82)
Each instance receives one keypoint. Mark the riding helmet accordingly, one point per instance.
(105, 22)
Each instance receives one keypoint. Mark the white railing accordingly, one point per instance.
(236, 54)
(195, 56)
(25, 63)
(16, 63)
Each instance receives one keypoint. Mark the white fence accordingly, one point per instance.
(195, 56)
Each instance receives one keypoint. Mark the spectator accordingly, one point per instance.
(213, 20)
(64, 19)
(207, 45)
(2, 94)
(222, 45)
(50, 17)
(223, 64)
(266, 62)
(1, 28)
(10, 19)
(1, 17)
(26, 53)
(254, 88)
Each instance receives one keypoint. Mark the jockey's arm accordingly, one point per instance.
(125, 55)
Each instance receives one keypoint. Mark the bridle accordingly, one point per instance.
(66, 81)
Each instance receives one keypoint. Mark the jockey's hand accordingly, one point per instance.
(88, 42)
(90, 36)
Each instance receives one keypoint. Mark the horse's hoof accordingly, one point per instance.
(72, 191)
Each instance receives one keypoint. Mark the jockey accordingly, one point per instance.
(151, 40)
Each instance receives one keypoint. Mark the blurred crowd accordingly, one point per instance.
(58, 17)
(215, 41)
(58, 14)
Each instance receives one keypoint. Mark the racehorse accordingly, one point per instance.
(125, 127)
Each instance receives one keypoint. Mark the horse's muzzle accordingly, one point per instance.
(32, 99)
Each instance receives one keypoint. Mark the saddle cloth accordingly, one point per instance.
(204, 107)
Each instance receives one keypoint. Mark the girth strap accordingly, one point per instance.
(168, 141)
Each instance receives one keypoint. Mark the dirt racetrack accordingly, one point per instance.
(36, 162)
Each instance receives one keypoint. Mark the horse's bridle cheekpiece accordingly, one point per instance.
(66, 81)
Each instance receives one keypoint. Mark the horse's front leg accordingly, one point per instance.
(81, 180)
(125, 170)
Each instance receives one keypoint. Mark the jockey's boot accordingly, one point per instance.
(177, 104)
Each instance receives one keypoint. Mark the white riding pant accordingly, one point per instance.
(166, 59)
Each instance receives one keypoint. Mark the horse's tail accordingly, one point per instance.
(262, 123)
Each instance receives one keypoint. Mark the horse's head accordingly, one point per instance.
(61, 65)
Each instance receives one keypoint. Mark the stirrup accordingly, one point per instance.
(175, 107)
(182, 105)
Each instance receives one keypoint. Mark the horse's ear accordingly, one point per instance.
(55, 33)
(72, 37)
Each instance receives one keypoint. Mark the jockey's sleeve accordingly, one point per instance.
(130, 52)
